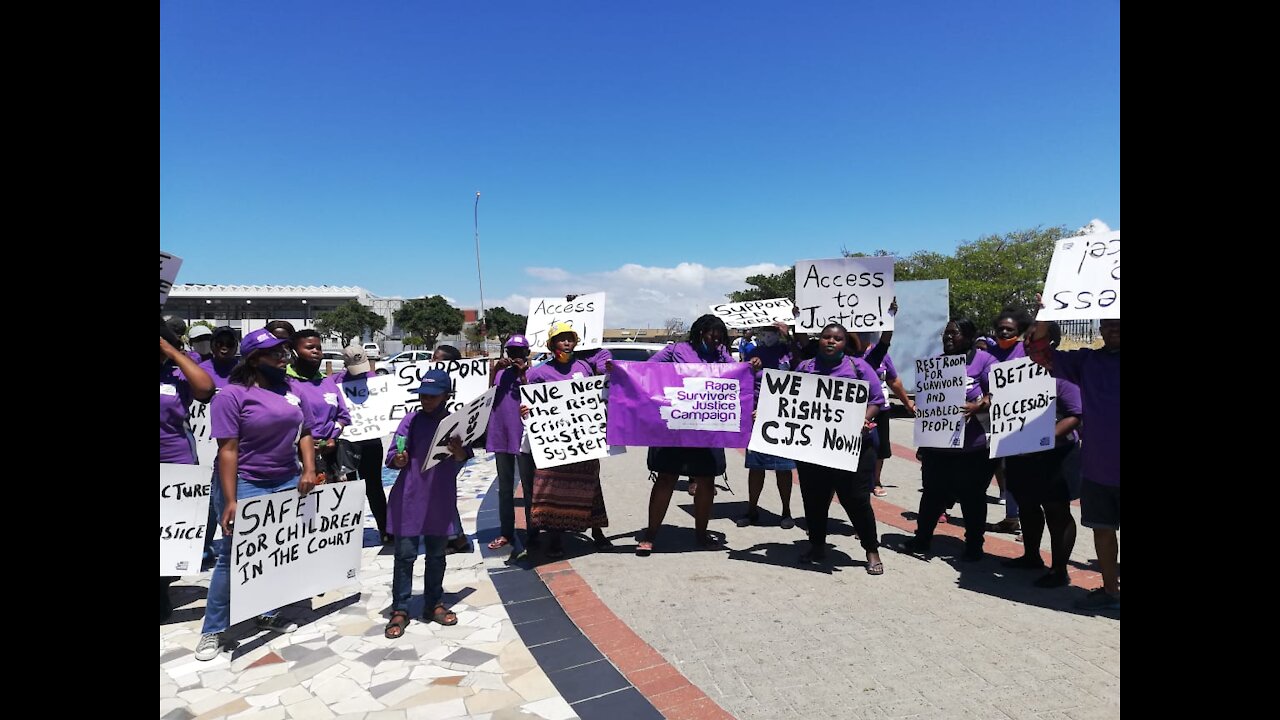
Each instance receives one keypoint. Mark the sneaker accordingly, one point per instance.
(787, 522)
(1052, 580)
(1098, 600)
(209, 647)
(276, 623)
(748, 519)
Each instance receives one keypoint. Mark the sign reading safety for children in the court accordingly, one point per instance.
(755, 313)
(286, 546)
(1084, 279)
(567, 420)
(855, 292)
(585, 313)
(813, 418)
(1024, 400)
(371, 403)
(468, 423)
(184, 514)
(940, 386)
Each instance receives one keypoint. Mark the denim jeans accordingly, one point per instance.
(217, 611)
(506, 465)
(215, 514)
(433, 577)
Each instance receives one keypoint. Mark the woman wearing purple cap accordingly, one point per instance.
(421, 508)
(504, 437)
(261, 430)
(566, 497)
(706, 344)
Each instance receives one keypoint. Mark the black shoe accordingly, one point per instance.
(972, 554)
(1052, 579)
(787, 523)
(917, 546)
(749, 519)
(1025, 562)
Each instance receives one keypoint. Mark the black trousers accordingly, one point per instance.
(818, 484)
(506, 465)
(962, 476)
(366, 456)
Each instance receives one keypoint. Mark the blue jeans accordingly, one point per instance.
(402, 576)
(217, 610)
(215, 514)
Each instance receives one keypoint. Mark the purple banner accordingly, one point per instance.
(656, 404)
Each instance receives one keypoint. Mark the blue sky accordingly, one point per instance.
(659, 151)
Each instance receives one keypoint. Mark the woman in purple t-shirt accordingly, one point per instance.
(1010, 325)
(706, 344)
(504, 438)
(261, 430)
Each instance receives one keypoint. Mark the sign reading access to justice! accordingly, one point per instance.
(585, 313)
(468, 423)
(680, 404)
(940, 386)
(286, 546)
(855, 292)
(755, 313)
(1024, 399)
(470, 379)
(1084, 279)
(184, 513)
(567, 421)
(811, 418)
(372, 403)
(169, 265)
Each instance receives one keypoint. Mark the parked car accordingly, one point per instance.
(388, 366)
(372, 352)
(620, 350)
(332, 362)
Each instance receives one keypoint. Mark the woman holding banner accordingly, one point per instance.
(262, 432)
(818, 483)
(706, 344)
(504, 438)
(566, 497)
(964, 472)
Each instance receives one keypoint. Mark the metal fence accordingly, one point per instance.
(1082, 331)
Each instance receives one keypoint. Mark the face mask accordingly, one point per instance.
(1006, 344)
(703, 347)
(769, 339)
(203, 347)
(274, 375)
(563, 357)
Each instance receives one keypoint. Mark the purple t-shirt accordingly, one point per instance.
(777, 357)
(505, 429)
(176, 442)
(976, 385)
(853, 368)
(324, 404)
(885, 372)
(1097, 372)
(685, 353)
(1013, 353)
(219, 371)
(554, 372)
(596, 359)
(1068, 406)
(268, 423)
(422, 503)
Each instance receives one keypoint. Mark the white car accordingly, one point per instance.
(332, 362)
(372, 352)
(638, 352)
(388, 366)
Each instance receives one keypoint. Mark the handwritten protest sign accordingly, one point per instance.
(680, 404)
(1084, 279)
(206, 446)
(372, 402)
(469, 377)
(755, 313)
(812, 418)
(468, 423)
(855, 292)
(585, 313)
(169, 265)
(184, 514)
(940, 386)
(286, 546)
(1023, 408)
(567, 421)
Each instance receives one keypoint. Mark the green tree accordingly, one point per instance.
(428, 318)
(768, 287)
(349, 321)
(503, 324)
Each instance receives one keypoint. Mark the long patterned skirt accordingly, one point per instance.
(569, 498)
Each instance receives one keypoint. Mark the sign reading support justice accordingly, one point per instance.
(855, 292)
(468, 423)
(940, 385)
(287, 546)
(755, 313)
(470, 379)
(1084, 279)
(1024, 400)
(585, 313)
(680, 404)
(372, 403)
(184, 512)
(567, 421)
(812, 418)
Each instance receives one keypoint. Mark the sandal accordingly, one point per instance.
(444, 616)
(395, 628)
(644, 548)
(879, 491)
(499, 542)
(875, 568)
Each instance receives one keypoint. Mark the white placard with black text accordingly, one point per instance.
(855, 292)
(1023, 408)
(940, 391)
(184, 514)
(585, 313)
(1084, 279)
(812, 418)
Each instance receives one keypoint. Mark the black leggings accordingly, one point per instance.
(506, 465)
(819, 483)
(1042, 484)
(367, 456)
(961, 476)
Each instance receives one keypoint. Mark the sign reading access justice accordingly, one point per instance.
(654, 404)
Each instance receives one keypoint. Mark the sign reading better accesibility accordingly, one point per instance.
(1024, 399)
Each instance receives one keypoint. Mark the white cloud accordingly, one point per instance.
(639, 295)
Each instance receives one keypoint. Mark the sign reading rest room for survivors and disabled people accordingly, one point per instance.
(585, 313)
(811, 418)
(567, 421)
(184, 513)
(468, 423)
(286, 546)
(855, 292)
(1024, 399)
(755, 313)
(680, 404)
(1084, 279)
(940, 385)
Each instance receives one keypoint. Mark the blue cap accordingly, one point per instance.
(259, 340)
(435, 382)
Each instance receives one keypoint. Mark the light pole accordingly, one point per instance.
(479, 275)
